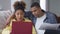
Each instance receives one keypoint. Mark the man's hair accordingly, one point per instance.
(35, 4)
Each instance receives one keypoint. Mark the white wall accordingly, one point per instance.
(5, 4)
(54, 6)
(51, 5)
(28, 4)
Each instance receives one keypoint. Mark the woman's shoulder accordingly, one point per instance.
(27, 20)
(13, 20)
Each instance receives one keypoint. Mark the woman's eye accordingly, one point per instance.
(17, 13)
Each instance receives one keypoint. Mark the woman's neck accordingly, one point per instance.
(20, 19)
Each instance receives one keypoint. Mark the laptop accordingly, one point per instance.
(21, 27)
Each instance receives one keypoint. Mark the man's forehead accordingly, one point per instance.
(34, 8)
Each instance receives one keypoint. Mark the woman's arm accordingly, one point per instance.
(33, 30)
(6, 30)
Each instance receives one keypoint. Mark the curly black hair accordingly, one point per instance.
(19, 5)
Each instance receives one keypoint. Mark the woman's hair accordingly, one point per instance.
(17, 5)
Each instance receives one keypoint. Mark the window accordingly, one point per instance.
(43, 4)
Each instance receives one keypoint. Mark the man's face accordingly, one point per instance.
(36, 11)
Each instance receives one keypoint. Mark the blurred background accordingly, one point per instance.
(6, 8)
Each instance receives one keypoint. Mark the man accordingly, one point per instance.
(38, 16)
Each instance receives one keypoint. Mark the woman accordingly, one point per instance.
(18, 15)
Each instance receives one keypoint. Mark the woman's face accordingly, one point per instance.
(19, 14)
